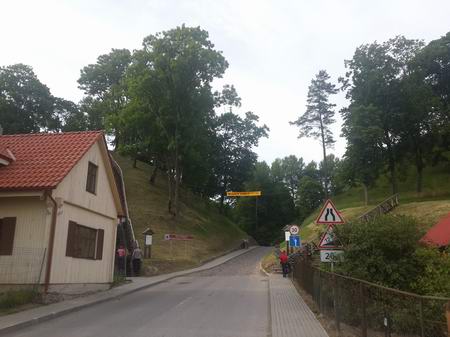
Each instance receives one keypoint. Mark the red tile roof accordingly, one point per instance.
(43, 159)
(439, 234)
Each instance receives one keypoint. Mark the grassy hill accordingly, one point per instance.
(214, 234)
(427, 207)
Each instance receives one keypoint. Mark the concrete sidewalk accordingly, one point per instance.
(291, 317)
(46, 312)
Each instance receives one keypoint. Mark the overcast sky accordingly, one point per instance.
(274, 47)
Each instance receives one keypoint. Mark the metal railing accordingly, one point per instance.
(24, 267)
(382, 208)
(363, 309)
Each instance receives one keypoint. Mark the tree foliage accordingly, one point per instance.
(319, 116)
(26, 104)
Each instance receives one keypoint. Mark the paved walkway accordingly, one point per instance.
(46, 312)
(291, 317)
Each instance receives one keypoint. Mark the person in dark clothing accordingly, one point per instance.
(137, 260)
(121, 256)
(284, 263)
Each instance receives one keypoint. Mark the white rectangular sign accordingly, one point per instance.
(327, 255)
(287, 235)
(148, 240)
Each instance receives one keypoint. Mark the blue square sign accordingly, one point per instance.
(294, 241)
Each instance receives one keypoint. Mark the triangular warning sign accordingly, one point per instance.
(329, 214)
(328, 239)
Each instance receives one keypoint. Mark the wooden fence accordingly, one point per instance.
(382, 208)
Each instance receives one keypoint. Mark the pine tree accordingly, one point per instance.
(316, 121)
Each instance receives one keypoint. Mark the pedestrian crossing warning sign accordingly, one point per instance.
(329, 214)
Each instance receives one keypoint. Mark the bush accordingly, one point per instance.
(435, 276)
(382, 250)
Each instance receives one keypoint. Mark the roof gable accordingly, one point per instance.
(439, 234)
(42, 160)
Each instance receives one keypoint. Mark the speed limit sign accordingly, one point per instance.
(294, 229)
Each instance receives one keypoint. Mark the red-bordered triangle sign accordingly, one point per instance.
(329, 214)
(328, 240)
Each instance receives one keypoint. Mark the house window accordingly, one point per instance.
(84, 242)
(91, 182)
(7, 230)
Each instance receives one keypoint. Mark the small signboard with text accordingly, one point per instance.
(244, 194)
(178, 237)
(331, 256)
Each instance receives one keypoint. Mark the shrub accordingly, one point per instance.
(382, 250)
(435, 276)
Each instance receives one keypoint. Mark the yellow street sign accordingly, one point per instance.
(244, 194)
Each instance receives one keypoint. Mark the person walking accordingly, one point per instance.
(121, 256)
(136, 259)
(284, 263)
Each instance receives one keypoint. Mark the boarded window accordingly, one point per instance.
(7, 230)
(84, 242)
(91, 182)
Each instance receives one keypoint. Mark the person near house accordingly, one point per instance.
(284, 263)
(121, 256)
(137, 260)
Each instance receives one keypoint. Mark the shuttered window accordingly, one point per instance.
(100, 235)
(7, 230)
(91, 182)
(84, 242)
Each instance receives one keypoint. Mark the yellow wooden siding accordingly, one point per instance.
(74, 270)
(73, 187)
(30, 239)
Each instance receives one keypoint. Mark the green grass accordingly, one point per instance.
(214, 233)
(15, 300)
(428, 207)
(436, 186)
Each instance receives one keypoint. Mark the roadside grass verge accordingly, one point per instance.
(213, 233)
(17, 300)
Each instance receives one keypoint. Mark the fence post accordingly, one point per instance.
(422, 333)
(448, 318)
(363, 310)
(320, 292)
(335, 304)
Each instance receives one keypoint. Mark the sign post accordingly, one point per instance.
(177, 237)
(248, 194)
(148, 241)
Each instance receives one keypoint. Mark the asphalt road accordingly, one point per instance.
(231, 300)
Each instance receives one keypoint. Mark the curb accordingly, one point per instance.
(56, 314)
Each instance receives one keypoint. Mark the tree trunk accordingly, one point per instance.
(222, 199)
(419, 167)
(391, 164)
(153, 176)
(222, 195)
(325, 169)
(177, 191)
(366, 194)
(170, 185)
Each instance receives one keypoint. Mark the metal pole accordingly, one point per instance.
(422, 333)
(335, 304)
(447, 313)
(256, 212)
(363, 309)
